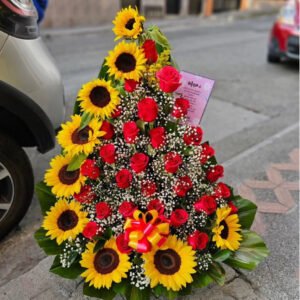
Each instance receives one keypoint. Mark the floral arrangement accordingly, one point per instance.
(133, 204)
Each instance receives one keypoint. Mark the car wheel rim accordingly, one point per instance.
(6, 191)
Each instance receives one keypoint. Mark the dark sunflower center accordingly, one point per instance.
(106, 261)
(225, 231)
(126, 62)
(100, 96)
(67, 220)
(130, 23)
(167, 262)
(68, 177)
(81, 136)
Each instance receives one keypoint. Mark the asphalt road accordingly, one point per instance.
(252, 121)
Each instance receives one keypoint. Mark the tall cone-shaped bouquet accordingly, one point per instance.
(133, 204)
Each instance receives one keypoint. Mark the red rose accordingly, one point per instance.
(169, 79)
(147, 109)
(172, 162)
(109, 129)
(157, 137)
(102, 210)
(107, 153)
(179, 217)
(90, 230)
(150, 51)
(130, 85)
(207, 204)
(139, 162)
(126, 209)
(123, 179)
(234, 209)
(193, 136)
(183, 185)
(198, 240)
(215, 173)
(222, 191)
(157, 205)
(148, 188)
(122, 244)
(206, 153)
(117, 113)
(180, 108)
(130, 132)
(89, 169)
(85, 195)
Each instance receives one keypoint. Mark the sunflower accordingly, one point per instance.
(105, 266)
(128, 23)
(99, 98)
(65, 221)
(126, 61)
(170, 265)
(64, 183)
(226, 230)
(75, 140)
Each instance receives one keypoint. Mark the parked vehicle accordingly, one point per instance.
(31, 106)
(284, 38)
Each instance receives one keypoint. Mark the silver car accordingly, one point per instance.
(31, 106)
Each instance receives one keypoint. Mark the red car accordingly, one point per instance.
(284, 39)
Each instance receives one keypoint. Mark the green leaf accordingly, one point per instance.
(217, 273)
(221, 255)
(202, 280)
(137, 294)
(252, 251)
(71, 273)
(158, 37)
(103, 293)
(103, 74)
(246, 211)
(123, 288)
(76, 109)
(45, 196)
(99, 245)
(159, 290)
(49, 246)
(85, 120)
(186, 291)
(107, 234)
(141, 125)
(76, 162)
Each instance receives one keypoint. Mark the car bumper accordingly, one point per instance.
(293, 47)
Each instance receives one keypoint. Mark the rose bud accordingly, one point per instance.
(109, 129)
(206, 153)
(179, 217)
(107, 153)
(193, 136)
(180, 108)
(90, 169)
(90, 230)
(169, 79)
(150, 51)
(222, 191)
(147, 109)
(103, 210)
(172, 162)
(130, 132)
(198, 240)
(122, 244)
(183, 185)
(215, 173)
(157, 205)
(86, 195)
(123, 179)
(130, 85)
(157, 137)
(207, 204)
(148, 188)
(139, 162)
(127, 208)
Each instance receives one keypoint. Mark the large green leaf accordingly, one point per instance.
(85, 120)
(103, 74)
(123, 288)
(71, 273)
(246, 211)
(76, 109)
(137, 294)
(103, 293)
(76, 162)
(202, 280)
(252, 251)
(158, 37)
(49, 246)
(161, 291)
(45, 196)
(221, 255)
(217, 273)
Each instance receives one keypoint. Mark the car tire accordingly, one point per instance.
(273, 58)
(16, 184)
(273, 52)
